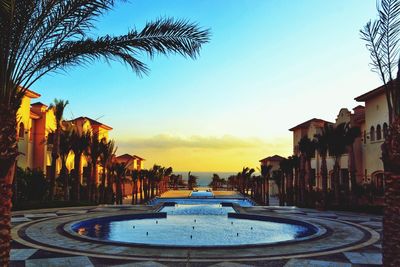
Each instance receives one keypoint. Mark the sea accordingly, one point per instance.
(204, 178)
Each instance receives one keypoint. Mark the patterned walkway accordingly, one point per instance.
(22, 255)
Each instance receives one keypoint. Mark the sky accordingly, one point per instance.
(270, 65)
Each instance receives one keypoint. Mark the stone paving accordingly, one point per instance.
(368, 255)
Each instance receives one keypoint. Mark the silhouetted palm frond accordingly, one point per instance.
(38, 37)
(370, 34)
(389, 29)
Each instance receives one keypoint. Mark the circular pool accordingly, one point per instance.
(201, 225)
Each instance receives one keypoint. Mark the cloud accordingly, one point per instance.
(203, 153)
(164, 141)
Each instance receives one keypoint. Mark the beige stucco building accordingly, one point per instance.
(372, 119)
(374, 134)
(34, 124)
(274, 162)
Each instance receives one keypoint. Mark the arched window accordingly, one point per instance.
(378, 132)
(372, 133)
(385, 130)
(21, 130)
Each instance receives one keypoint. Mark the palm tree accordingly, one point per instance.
(382, 40)
(321, 144)
(94, 153)
(58, 107)
(120, 169)
(143, 185)
(215, 180)
(307, 150)
(39, 37)
(351, 134)
(279, 179)
(108, 150)
(265, 173)
(64, 150)
(167, 174)
(79, 144)
(192, 181)
(337, 147)
(286, 168)
(135, 190)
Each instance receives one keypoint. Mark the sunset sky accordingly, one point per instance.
(270, 65)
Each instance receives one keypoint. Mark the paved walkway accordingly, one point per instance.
(23, 255)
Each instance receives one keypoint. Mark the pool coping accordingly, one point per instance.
(66, 229)
(369, 237)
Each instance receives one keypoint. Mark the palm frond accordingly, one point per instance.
(389, 16)
(164, 36)
(370, 34)
(58, 106)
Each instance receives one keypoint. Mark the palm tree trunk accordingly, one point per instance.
(302, 181)
(295, 186)
(391, 218)
(141, 189)
(53, 167)
(64, 174)
(78, 175)
(308, 184)
(267, 190)
(103, 186)
(324, 177)
(391, 221)
(134, 191)
(352, 171)
(109, 188)
(289, 188)
(8, 155)
(336, 182)
(5, 213)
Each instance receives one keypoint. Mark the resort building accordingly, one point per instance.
(374, 134)
(373, 123)
(34, 124)
(134, 163)
(274, 162)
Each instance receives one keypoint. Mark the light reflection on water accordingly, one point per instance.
(194, 225)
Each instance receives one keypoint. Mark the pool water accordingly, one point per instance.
(244, 202)
(192, 225)
(201, 193)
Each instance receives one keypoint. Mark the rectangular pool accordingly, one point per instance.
(244, 202)
(201, 194)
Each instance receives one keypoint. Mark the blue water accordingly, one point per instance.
(201, 194)
(244, 202)
(191, 225)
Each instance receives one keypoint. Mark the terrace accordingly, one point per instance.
(58, 237)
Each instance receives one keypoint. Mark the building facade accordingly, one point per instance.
(274, 162)
(372, 119)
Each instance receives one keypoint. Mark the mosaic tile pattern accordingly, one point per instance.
(367, 256)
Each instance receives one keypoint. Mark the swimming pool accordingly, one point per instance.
(193, 225)
(201, 193)
(243, 202)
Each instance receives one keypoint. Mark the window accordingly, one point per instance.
(378, 132)
(372, 133)
(385, 130)
(21, 131)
